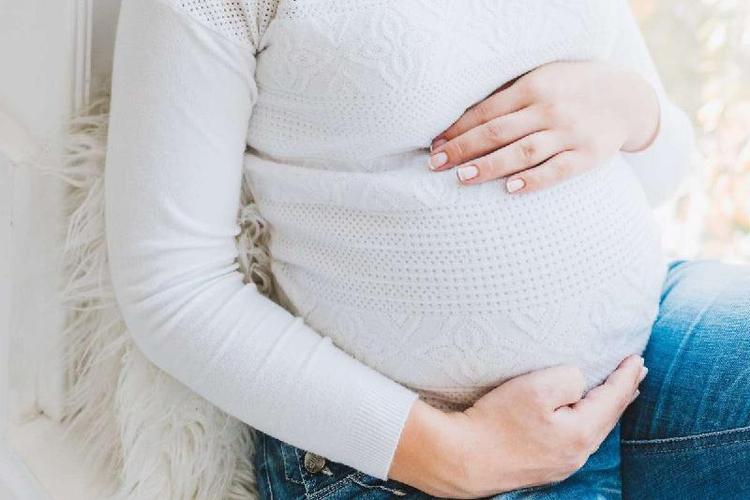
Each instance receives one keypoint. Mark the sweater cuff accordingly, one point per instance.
(351, 412)
(377, 426)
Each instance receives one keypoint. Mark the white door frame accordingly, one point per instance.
(34, 463)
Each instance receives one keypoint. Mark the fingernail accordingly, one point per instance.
(644, 371)
(436, 144)
(514, 185)
(467, 172)
(635, 395)
(438, 160)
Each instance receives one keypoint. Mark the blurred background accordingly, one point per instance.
(702, 49)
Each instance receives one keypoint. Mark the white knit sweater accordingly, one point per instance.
(397, 281)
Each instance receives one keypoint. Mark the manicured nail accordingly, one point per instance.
(438, 160)
(514, 185)
(467, 172)
(644, 371)
(436, 144)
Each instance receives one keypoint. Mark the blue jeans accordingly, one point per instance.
(687, 436)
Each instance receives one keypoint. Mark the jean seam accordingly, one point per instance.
(695, 448)
(378, 486)
(331, 488)
(284, 458)
(267, 472)
(689, 437)
(323, 491)
(301, 474)
(640, 444)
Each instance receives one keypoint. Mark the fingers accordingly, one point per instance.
(560, 167)
(503, 102)
(551, 388)
(486, 137)
(602, 406)
(513, 158)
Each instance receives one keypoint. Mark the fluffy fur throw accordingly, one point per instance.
(152, 435)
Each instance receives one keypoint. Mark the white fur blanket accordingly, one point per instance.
(152, 435)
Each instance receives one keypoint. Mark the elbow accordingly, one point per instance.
(144, 298)
(171, 299)
(130, 294)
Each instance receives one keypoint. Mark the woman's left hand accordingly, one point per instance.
(550, 124)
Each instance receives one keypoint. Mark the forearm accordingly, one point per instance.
(172, 185)
(430, 453)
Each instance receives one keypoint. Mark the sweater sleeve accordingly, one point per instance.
(666, 162)
(182, 96)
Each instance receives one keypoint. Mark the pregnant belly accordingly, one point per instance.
(453, 289)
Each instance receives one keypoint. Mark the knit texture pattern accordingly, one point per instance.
(393, 282)
(449, 290)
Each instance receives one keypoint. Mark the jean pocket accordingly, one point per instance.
(320, 477)
(323, 478)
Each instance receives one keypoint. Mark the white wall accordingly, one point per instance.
(47, 66)
(38, 51)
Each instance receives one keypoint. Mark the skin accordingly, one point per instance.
(553, 123)
(534, 429)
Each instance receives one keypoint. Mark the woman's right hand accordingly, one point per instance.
(533, 429)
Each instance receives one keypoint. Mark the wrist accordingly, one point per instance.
(429, 455)
(644, 112)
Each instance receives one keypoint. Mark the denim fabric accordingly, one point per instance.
(686, 437)
(688, 434)
(281, 474)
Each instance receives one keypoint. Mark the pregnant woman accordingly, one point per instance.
(459, 201)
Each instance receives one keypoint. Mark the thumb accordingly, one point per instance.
(603, 405)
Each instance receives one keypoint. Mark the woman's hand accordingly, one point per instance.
(550, 124)
(534, 429)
